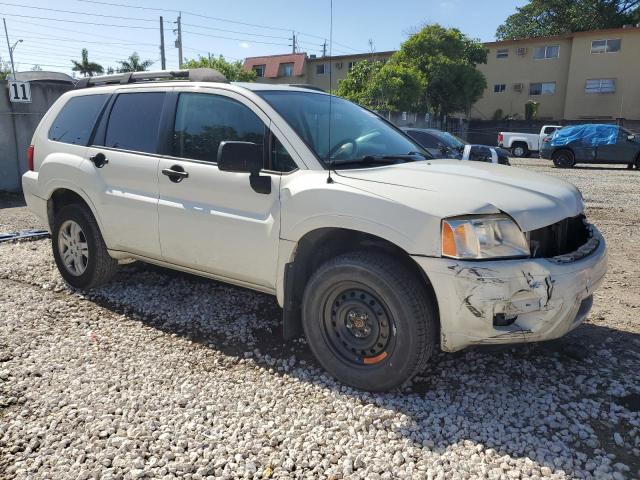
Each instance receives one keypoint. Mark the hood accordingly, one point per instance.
(452, 187)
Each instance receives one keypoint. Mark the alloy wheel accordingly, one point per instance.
(73, 248)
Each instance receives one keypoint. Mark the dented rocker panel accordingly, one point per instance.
(549, 297)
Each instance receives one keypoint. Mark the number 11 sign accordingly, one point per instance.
(20, 92)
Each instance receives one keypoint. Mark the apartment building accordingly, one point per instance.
(312, 70)
(581, 76)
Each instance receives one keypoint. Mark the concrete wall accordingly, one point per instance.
(525, 70)
(623, 66)
(18, 121)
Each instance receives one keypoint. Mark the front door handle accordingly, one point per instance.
(176, 173)
(99, 160)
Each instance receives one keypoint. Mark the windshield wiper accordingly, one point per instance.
(382, 159)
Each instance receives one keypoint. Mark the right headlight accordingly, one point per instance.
(483, 237)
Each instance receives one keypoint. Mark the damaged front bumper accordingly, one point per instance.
(514, 301)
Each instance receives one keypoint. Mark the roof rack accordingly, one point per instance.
(191, 75)
(307, 86)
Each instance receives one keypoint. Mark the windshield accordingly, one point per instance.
(357, 136)
(450, 140)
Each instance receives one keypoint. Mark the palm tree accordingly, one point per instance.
(85, 67)
(133, 64)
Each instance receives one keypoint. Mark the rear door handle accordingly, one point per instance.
(176, 173)
(99, 160)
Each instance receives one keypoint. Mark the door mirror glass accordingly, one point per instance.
(631, 138)
(244, 157)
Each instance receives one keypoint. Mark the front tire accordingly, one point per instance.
(564, 159)
(79, 250)
(369, 321)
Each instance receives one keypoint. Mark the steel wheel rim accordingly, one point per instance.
(357, 325)
(73, 248)
(518, 151)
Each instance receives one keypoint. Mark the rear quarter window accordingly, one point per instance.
(77, 118)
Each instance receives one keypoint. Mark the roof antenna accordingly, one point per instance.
(329, 179)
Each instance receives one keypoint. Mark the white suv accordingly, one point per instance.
(374, 249)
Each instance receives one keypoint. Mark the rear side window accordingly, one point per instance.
(424, 139)
(75, 121)
(204, 120)
(134, 120)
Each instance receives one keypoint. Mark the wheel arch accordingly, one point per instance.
(320, 245)
(65, 195)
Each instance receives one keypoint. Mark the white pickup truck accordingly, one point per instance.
(522, 144)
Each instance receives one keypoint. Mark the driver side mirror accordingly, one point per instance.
(631, 138)
(244, 157)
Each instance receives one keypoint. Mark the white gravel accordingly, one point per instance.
(165, 375)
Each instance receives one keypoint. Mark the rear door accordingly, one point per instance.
(210, 220)
(124, 159)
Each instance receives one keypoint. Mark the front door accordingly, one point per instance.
(622, 151)
(124, 163)
(209, 220)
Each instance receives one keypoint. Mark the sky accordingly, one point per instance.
(53, 33)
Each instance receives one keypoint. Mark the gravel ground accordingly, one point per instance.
(163, 375)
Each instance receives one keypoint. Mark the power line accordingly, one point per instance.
(76, 13)
(234, 39)
(78, 21)
(235, 31)
(211, 18)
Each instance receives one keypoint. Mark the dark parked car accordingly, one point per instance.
(445, 145)
(592, 144)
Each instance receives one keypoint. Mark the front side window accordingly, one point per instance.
(600, 85)
(546, 52)
(134, 120)
(499, 88)
(281, 160)
(544, 88)
(606, 46)
(204, 120)
(286, 69)
(502, 53)
(348, 135)
(425, 139)
(75, 121)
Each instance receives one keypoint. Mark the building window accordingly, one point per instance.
(548, 51)
(543, 88)
(502, 53)
(259, 69)
(606, 46)
(286, 69)
(600, 85)
(499, 88)
(322, 68)
(350, 65)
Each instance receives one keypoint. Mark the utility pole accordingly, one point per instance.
(13, 67)
(178, 43)
(163, 60)
(294, 42)
(324, 48)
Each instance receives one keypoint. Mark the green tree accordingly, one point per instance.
(397, 87)
(447, 59)
(541, 18)
(234, 71)
(85, 67)
(133, 64)
(356, 86)
(5, 69)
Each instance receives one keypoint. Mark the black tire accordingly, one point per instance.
(373, 290)
(99, 266)
(520, 150)
(564, 159)
(638, 162)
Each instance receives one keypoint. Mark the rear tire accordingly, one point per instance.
(369, 321)
(520, 150)
(564, 159)
(638, 162)
(79, 250)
